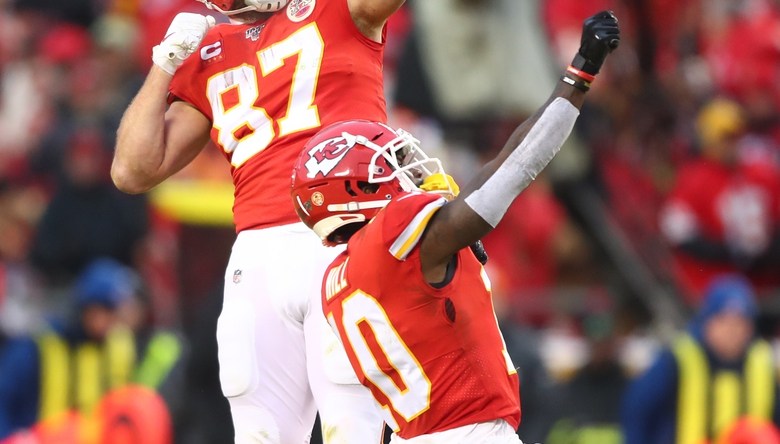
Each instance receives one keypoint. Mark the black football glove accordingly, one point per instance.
(600, 36)
(479, 251)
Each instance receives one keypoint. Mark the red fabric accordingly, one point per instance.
(349, 86)
(751, 431)
(672, 23)
(462, 359)
(569, 14)
(747, 57)
(134, 414)
(746, 197)
(65, 43)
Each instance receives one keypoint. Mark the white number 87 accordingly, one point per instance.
(245, 129)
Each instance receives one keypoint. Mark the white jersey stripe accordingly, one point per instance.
(409, 237)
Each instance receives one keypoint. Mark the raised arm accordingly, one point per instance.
(370, 15)
(152, 143)
(154, 140)
(483, 202)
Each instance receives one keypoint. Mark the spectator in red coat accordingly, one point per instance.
(723, 214)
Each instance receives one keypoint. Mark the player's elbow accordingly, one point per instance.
(127, 181)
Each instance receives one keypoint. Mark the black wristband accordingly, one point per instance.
(578, 83)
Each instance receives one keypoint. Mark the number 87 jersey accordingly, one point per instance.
(268, 87)
(433, 358)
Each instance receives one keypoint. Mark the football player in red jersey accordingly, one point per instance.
(408, 298)
(260, 86)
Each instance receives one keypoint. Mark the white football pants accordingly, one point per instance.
(279, 360)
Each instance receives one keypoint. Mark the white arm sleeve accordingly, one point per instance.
(537, 149)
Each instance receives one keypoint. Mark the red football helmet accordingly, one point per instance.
(350, 170)
(226, 7)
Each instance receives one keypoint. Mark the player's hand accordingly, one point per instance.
(182, 39)
(600, 36)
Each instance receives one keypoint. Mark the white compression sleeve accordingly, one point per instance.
(537, 149)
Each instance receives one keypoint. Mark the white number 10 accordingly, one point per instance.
(407, 387)
(245, 129)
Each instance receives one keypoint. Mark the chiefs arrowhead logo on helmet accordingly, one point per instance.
(326, 155)
(349, 171)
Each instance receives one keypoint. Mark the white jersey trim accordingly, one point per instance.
(409, 237)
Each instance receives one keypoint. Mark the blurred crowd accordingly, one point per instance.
(670, 181)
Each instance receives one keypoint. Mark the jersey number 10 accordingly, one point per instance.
(406, 387)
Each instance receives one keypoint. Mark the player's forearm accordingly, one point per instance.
(562, 90)
(509, 176)
(537, 140)
(140, 143)
(527, 152)
(483, 203)
(479, 208)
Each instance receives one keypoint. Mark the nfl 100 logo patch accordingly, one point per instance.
(253, 33)
(237, 276)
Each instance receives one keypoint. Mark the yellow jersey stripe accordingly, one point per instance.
(409, 237)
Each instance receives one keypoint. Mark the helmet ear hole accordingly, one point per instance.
(348, 187)
(363, 186)
(368, 188)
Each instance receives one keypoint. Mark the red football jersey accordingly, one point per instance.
(434, 358)
(268, 87)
